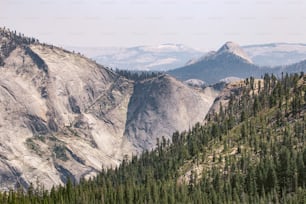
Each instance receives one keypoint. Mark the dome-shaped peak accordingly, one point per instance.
(234, 48)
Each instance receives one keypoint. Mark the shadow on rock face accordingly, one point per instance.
(37, 125)
(73, 105)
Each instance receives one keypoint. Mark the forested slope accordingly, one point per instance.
(251, 151)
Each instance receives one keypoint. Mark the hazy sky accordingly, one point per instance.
(202, 24)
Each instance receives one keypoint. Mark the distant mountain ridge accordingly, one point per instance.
(148, 58)
(170, 56)
(276, 54)
(229, 61)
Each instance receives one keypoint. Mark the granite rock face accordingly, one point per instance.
(163, 104)
(62, 115)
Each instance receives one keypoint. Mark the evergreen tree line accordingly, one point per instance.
(138, 75)
(251, 151)
(10, 40)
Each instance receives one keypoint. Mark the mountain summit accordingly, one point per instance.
(234, 48)
(229, 61)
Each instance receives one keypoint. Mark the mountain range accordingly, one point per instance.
(65, 116)
(229, 61)
(164, 57)
(251, 149)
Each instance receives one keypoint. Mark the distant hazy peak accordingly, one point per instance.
(234, 48)
(229, 47)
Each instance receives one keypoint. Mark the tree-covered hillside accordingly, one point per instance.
(252, 151)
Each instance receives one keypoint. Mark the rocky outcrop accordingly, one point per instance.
(44, 126)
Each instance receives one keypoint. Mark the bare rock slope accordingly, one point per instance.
(162, 105)
(62, 115)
